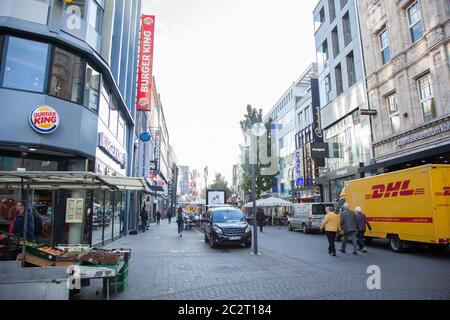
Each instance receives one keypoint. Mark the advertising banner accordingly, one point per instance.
(215, 197)
(145, 63)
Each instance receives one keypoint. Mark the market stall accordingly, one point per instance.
(90, 261)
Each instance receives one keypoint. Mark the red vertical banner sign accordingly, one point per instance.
(145, 63)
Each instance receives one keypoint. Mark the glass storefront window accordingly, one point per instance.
(113, 116)
(67, 73)
(103, 110)
(91, 88)
(97, 217)
(26, 65)
(95, 15)
(118, 209)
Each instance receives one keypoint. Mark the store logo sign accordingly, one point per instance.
(110, 148)
(44, 119)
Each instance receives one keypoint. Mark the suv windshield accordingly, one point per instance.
(228, 217)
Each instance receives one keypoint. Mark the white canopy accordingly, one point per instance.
(270, 203)
(69, 180)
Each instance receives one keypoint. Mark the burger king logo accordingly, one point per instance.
(148, 21)
(44, 119)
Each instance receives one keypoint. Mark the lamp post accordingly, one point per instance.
(258, 130)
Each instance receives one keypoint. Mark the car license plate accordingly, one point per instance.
(234, 238)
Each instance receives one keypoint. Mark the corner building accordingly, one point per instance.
(79, 59)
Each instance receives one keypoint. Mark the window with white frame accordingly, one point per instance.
(415, 21)
(384, 46)
(394, 116)
(427, 101)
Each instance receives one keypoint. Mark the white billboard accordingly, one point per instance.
(215, 197)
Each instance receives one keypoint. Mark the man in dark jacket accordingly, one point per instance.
(350, 227)
(18, 223)
(260, 218)
(144, 218)
(363, 223)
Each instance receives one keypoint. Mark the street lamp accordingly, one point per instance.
(258, 129)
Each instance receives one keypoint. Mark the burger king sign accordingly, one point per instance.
(44, 119)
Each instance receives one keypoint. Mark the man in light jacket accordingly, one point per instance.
(350, 227)
(331, 227)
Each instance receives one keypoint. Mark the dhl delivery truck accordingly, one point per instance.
(408, 205)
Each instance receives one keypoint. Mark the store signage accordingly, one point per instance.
(423, 134)
(145, 70)
(298, 163)
(111, 149)
(44, 119)
(319, 151)
(145, 137)
(317, 123)
(74, 210)
(368, 112)
(300, 182)
(157, 149)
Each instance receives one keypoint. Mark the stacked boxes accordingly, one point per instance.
(122, 281)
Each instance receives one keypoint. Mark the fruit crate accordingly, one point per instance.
(43, 255)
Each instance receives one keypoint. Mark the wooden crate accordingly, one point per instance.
(36, 261)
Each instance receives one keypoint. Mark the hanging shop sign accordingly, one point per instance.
(145, 137)
(44, 119)
(74, 210)
(111, 149)
(445, 127)
(145, 70)
(157, 149)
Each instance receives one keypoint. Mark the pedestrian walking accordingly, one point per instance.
(260, 219)
(169, 217)
(144, 218)
(180, 222)
(158, 217)
(350, 227)
(331, 227)
(363, 224)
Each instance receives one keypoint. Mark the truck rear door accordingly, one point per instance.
(441, 201)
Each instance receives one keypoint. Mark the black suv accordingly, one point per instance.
(227, 225)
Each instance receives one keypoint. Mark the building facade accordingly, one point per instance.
(310, 151)
(342, 94)
(407, 53)
(67, 80)
(283, 115)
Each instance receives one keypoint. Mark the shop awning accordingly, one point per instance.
(69, 180)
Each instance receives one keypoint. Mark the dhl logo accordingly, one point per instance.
(394, 189)
(444, 193)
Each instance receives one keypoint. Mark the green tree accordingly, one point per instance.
(263, 183)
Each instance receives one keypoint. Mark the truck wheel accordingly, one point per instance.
(395, 243)
(290, 227)
(304, 229)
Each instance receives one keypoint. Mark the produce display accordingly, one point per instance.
(51, 251)
(103, 257)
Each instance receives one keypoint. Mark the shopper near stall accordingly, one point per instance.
(18, 223)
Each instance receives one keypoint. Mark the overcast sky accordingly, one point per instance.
(213, 57)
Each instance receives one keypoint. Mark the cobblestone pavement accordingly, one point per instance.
(291, 266)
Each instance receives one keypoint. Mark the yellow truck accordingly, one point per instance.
(411, 205)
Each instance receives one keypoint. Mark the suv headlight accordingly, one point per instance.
(248, 229)
(217, 230)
